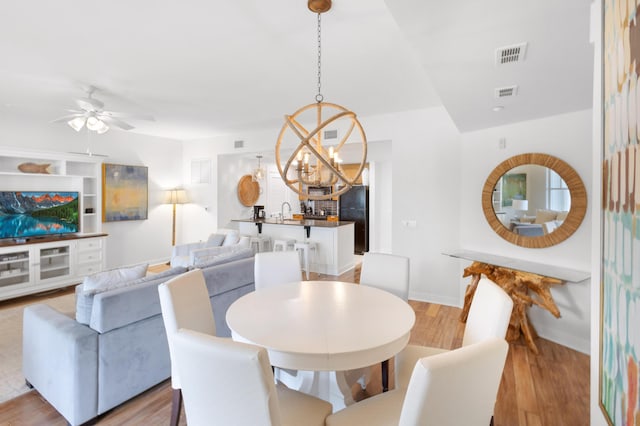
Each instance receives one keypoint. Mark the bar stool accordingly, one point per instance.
(304, 248)
(259, 243)
(284, 244)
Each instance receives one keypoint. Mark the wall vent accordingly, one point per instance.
(331, 134)
(238, 144)
(511, 54)
(505, 92)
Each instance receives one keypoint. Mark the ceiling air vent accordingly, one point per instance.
(506, 92)
(238, 144)
(511, 54)
(331, 134)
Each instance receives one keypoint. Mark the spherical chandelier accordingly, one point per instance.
(312, 161)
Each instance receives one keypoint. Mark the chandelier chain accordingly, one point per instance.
(319, 96)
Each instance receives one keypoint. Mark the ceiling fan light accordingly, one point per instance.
(103, 128)
(76, 124)
(93, 123)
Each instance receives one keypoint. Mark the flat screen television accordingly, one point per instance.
(25, 214)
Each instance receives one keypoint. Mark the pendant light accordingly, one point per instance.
(312, 161)
(259, 173)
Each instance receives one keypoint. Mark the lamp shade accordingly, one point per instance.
(176, 196)
(521, 205)
(77, 123)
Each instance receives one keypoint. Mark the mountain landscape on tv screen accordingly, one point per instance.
(29, 213)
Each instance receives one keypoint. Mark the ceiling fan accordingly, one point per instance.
(92, 114)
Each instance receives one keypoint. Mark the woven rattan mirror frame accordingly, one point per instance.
(576, 189)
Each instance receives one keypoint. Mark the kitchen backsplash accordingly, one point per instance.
(329, 207)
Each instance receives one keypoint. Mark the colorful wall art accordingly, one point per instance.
(620, 287)
(125, 192)
(514, 187)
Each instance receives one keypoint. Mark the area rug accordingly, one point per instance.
(11, 379)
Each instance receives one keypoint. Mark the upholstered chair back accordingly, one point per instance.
(458, 387)
(489, 313)
(276, 267)
(387, 272)
(225, 382)
(185, 303)
(231, 383)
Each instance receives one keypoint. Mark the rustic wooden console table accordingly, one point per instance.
(526, 282)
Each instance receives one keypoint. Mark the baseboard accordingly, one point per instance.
(565, 339)
(435, 298)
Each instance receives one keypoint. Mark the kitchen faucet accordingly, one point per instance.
(282, 209)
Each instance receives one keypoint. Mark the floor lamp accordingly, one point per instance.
(175, 196)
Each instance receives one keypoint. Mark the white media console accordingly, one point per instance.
(48, 263)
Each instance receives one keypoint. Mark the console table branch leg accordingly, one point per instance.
(517, 284)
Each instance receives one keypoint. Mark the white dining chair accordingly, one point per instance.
(489, 317)
(276, 267)
(185, 303)
(458, 387)
(386, 272)
(270, 269)
(231, 383)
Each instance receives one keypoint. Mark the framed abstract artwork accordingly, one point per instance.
(619, 380)
(514, 187)
(125, 192)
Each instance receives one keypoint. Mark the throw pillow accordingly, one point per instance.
(543, 216)
(231, 238)
(112, 279)
(562, 215)
(215, 240)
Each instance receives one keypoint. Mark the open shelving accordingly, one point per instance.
(53, 171)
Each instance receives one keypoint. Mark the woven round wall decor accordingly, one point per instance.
(248, 191)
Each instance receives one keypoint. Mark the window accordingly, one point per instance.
(558, 195)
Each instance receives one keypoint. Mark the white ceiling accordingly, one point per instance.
(208, 67)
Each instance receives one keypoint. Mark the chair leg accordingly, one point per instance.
(176, 406)
(385, 375)
(491, 423)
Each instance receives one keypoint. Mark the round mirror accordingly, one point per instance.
(534, 200)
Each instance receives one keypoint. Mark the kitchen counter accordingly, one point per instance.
(334, 240)
(298, 222)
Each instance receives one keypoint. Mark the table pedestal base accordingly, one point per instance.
(332, 386)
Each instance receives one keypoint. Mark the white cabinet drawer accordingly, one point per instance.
(90, 244)
(88, 269)
(89, 257)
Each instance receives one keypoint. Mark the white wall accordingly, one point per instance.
(425, 189)
(567, 137)
(128, 242)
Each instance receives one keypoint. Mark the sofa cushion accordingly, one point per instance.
(228, 276)
(220, 257)
(231, 238)
(112, 279)
(84, 300)
(126, 305)
(215, 240)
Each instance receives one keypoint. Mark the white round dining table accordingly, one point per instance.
(322, 325)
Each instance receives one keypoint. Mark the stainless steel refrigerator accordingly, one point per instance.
(354, 206)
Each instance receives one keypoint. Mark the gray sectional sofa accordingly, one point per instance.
(84, 370)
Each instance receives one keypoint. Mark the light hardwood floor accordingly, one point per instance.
(551, 388)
